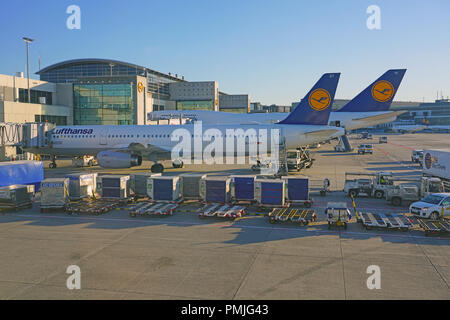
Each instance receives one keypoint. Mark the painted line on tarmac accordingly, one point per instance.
(298, 230)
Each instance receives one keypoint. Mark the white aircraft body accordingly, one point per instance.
(124, 146)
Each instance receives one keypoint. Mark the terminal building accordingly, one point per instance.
(107, 92)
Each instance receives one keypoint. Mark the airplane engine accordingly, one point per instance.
(117, 160)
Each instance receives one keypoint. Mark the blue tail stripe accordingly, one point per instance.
(366, 102)
(315, 107)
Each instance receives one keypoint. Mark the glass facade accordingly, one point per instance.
(195, 105)
(234, 110)
(58, 120)
(104, 103)
(72, 71)
(35, 96)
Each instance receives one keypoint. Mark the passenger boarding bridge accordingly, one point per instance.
(25, 135)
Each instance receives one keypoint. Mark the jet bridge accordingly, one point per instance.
(25, 135)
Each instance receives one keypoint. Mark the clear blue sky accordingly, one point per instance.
(273, 50)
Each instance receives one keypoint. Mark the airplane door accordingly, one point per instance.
(103, 140)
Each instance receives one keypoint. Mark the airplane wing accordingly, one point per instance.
(382, 116)
(325, 133)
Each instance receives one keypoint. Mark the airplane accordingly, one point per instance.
(124, 146)
(368, 108)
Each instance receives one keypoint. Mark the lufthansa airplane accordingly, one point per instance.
(368, 108)
(124, 146)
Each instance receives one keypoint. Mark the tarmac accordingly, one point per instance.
(184, 257)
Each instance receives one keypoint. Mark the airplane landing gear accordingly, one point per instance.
(52, 164)
(177, 164)
(157, 168)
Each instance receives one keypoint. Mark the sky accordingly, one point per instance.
(274, 50)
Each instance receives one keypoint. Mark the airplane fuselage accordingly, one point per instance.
(90, 140)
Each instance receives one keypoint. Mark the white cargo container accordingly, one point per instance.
(82, 185)
(114, 186)
(138, 182)
(164, 188)
(436, 163)
(54, 192)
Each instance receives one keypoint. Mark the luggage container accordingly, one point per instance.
(54, 193)
(215, 189)
(298, 190)
(21, 172)
(15, 197)
(164, 188)
(242, 187)
(81, 185)
(114, 186)
(191, 186)
(270, 193)
(138, 183)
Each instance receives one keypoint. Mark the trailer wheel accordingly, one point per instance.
(379, 194)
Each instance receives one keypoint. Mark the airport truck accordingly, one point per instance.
(433, 206)
(372, 185)
(299, 159)
(417, 156)
(338, 215)
(436, 163)
(414, 190)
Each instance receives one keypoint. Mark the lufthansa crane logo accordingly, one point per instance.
(319, 99)
(382, 91)
(140, 87)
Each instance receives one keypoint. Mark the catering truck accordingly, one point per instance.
(436, 163)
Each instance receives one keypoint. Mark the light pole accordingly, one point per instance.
(28, 41)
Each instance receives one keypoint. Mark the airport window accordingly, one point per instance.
(58, 120)
(36, 96)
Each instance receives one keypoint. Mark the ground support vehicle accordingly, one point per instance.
(338, 214)
(295, 215)
(221, 211)
(384, 220)
(373, 184)
(148, 208)
(91, 206)
(440, 227)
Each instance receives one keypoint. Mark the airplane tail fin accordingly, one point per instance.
(379, 95)
(315, 107)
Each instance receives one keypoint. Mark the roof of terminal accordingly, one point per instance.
(105, 61)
